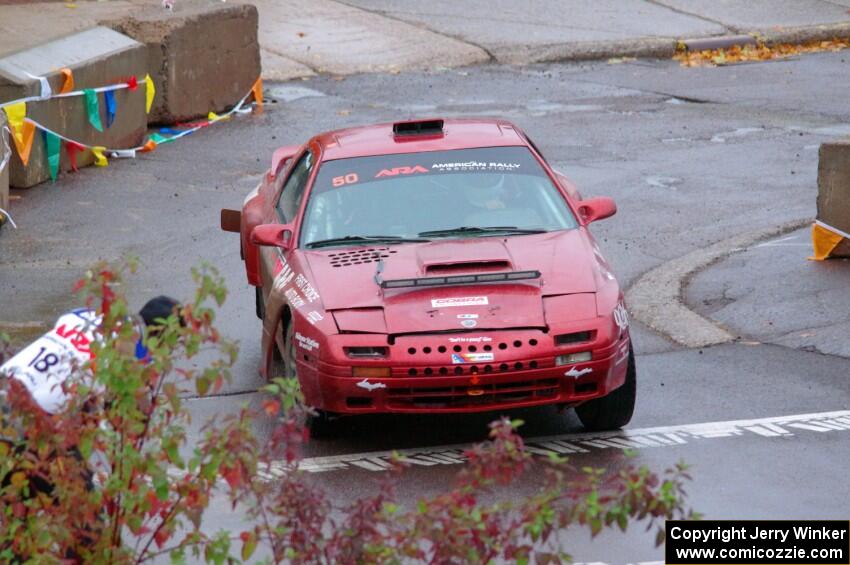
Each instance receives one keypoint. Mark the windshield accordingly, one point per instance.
(433, 194)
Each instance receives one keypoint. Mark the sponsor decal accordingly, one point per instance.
(624, 354)
(467, 316)
(401, 171)
(306, 342)
(621, 316)
(284, 275)
(304, 285)
(475, 166)
(294, 298)
(370, 386)
(313, 317)
(468, 323)
(576, 374)
(459, 358)
(478, 339)
(460, 301)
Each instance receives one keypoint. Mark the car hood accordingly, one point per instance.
(345, 278)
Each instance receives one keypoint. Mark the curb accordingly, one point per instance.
(655, 299)
(666, 47)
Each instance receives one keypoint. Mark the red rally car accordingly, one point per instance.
(434, 266)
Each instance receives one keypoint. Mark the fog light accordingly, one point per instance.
(371, 372)
(573, 358)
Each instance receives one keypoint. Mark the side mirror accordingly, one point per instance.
(231, 220)
(272, 235)
(597, 209)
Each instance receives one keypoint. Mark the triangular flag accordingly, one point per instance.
(824, 241)
(72, 148)
(257, 91)
(93, 109)
(15, 114)
(52, 144)
(109, 101)
(149, 93)
(67, 81)
(213, 117)
(45, 91)
(132, 83)
(99, 158)
(159, 139)
(149, 145)
(28, 133)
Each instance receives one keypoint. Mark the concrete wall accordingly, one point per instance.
(203, 57)
(97, 57)
(834, 189)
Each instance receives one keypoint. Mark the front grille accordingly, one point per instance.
(437, 359)
(471, 395)
(472, 368)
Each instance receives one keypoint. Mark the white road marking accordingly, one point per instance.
(639, 438)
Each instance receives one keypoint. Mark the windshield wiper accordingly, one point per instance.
(365, 239)
(479, 230)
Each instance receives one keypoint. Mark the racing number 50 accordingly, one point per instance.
(350, 178)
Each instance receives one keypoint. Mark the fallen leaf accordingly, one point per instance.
(343, 112)
(300, 33)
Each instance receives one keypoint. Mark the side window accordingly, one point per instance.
(293, 190)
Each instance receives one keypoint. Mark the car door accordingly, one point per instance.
(274, 261)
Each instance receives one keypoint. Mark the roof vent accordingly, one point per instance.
(425, 127)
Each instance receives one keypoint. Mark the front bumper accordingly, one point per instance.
(424, 379)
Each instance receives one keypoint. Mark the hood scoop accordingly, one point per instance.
(484, 266)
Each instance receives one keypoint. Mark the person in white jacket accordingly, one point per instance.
(45, 364)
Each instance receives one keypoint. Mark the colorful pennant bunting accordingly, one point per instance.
(28, 134)
(52, 143)
(99, 158)
(150, 92)
(67, 81)
(15, 114)
(109, 102)
(93, 109)
(72, 148)
(257, 91)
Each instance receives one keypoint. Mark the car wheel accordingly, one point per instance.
(615, 409)
(320, 423)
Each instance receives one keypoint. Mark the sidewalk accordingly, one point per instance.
(792, 302)
(303, 37)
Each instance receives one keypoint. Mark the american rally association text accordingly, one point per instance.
(757, 533)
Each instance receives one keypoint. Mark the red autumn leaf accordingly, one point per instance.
(233, 475)
(271, 407)
(161, 536)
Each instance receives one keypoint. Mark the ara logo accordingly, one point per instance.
(401, 171)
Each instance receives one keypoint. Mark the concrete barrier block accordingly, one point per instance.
(834, 189)
(204, 56)
(97, 57)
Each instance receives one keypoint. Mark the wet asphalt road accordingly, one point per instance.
(692, 156)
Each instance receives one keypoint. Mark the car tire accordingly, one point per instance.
(615, 409)
(321, 424)
(259, 303)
